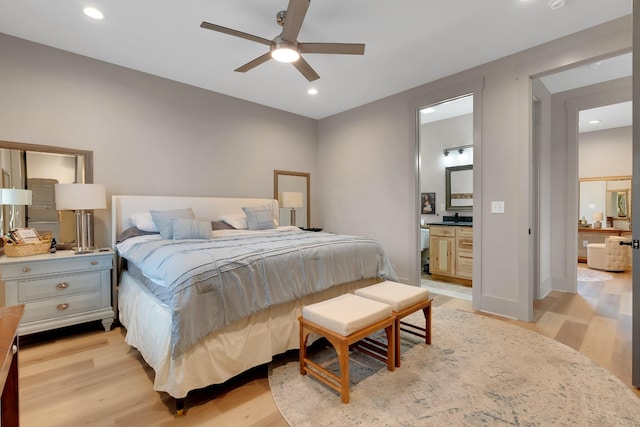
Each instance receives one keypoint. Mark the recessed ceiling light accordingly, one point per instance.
(594, 122)
(92, 12)
(312, 91)
(428, 110)
(556, 4)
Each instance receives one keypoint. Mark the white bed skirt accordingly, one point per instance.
(219, 356)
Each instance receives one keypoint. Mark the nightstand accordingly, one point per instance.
(59, 289)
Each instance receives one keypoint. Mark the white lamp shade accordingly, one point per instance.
(71, 197)
(12, 196)
(291, 199)
(598, 216)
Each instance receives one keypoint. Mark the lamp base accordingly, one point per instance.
(597, 224)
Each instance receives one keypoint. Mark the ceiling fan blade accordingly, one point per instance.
(236, 33)
(306, 70)
(253, 64)
(296, 12)
(334, 48)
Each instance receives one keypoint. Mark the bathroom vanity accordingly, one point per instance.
(451, 251)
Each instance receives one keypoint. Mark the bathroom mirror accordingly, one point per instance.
(299, 184)
(610, 195)
(459, 188)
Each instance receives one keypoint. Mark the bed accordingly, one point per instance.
(201, 311)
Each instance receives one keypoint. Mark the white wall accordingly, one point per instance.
(435, 137)
(605, 153)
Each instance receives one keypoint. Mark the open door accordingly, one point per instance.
(635, 200)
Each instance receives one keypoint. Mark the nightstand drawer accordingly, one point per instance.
(59, 307)
(58, 286)
(54, 266)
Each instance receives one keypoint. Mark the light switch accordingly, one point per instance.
(497, 207)
(442, 209)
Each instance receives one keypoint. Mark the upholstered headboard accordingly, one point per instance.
(204, 208)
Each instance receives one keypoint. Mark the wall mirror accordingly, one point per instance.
(459, 188)
(610, 196)
(38, 168)
(295, 204)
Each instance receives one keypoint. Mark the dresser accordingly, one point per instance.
(451, 253)
(59, 289)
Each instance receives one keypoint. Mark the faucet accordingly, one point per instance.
(456, 217)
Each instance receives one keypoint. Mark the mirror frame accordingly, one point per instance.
(88, 155)
(307, 176)
(448, 171)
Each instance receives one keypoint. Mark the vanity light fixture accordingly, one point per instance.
(459, 149)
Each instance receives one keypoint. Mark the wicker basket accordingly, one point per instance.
(26, 249)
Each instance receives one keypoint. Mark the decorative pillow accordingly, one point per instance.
(237, 221)
(162, 220)
(259, 217)
(143, 221)
(221, 225)
(190, 229)
(133, 232)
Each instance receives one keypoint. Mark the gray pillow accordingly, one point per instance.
(132, 232)
(259, 217)
(190, 229)
(162, 220)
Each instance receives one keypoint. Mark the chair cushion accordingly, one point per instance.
(399, 296)
(346, 314)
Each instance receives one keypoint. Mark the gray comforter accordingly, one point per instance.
(213, 283)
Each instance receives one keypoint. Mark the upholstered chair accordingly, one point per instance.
(610, 255)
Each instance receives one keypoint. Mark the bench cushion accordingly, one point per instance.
(346, 314)
(398, 295)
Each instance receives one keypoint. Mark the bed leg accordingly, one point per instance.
(180, 406)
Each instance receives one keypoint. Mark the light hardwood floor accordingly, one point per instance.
(86, 376)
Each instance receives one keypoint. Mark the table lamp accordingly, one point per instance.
(15, 197)
(81, 198)
(597, 218)
(291, 200)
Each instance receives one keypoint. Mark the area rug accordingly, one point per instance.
(478, 371)
(590, 275)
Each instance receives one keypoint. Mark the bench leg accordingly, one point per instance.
(427, 325)
(304, 336)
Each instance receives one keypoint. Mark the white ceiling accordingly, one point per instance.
(408, 43)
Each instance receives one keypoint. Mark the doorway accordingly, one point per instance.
(446, 158)
(571, 150)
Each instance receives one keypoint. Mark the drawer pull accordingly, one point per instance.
(26, 270)
(467, 243)
(94, 262)
(62, 285)
(62, 307)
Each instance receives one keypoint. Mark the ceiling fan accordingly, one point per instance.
(285, 46)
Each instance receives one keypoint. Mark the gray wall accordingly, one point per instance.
(149, 135)
(367, 165)
(153, 136)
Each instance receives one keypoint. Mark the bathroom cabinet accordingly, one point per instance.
(451, 252)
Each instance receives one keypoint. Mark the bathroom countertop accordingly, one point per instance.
(453, 223)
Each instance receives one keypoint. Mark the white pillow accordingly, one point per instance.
(143, 221)
(237, 221)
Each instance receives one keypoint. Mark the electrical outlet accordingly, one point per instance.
(585, 243)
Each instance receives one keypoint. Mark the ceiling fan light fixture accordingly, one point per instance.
(285, 53)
